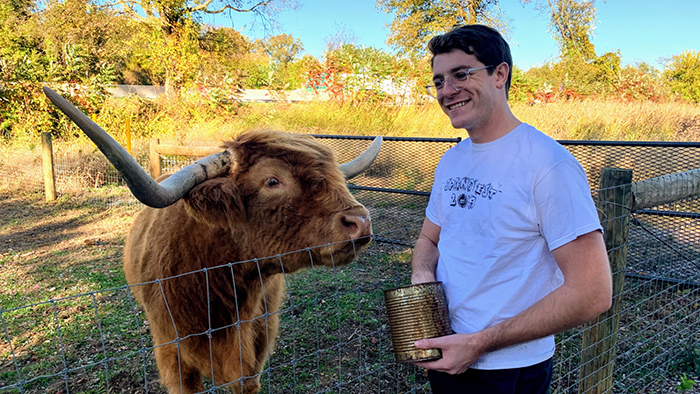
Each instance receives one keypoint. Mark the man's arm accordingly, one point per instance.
(425, 254)
(586, 293)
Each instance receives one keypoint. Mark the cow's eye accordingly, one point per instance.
(272, 182)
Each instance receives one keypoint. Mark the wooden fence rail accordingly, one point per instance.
(156, 149)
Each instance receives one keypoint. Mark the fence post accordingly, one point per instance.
(127, 131)
(47, 163)
(154, 158)
(599, 337)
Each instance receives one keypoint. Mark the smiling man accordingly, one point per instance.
(511, 230)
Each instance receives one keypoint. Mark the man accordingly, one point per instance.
(510, 229)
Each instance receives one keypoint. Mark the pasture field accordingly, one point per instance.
(575, 120)
(60, 262)
(60, 267)
(65, 305)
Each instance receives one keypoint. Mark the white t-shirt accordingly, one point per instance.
(503, 206)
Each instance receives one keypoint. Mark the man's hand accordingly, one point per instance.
(459, 352)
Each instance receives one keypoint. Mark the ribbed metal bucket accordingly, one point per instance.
(417, 312)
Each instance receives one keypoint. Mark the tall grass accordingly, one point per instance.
(193, 121)
(578, 120)
(614, 120)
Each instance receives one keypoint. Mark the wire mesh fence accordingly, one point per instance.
(333, 332)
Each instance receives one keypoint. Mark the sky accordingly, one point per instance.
(648, 31)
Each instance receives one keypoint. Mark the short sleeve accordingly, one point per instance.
(565, 208)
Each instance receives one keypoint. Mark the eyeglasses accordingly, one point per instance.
(460, 77)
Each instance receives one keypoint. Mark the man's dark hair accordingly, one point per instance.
(485, 43)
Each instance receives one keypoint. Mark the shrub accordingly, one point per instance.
(683, 75)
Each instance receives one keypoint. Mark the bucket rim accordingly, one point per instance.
(415, 285)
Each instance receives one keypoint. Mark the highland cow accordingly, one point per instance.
(195, 258)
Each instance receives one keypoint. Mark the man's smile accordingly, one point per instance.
(457, 105)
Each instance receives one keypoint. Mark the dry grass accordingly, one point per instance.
(614, 120)
(197, 122)
(581, 120)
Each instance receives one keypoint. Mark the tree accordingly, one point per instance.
(416, 21)
(170, 14)
(83, 40)
(683, 75)
(174, 22)
(282, 49)
(225, 54)
(572, 22)
(71, 43)
(343, 35)
(363, 74)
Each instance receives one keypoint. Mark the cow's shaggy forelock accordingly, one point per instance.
(310, 158)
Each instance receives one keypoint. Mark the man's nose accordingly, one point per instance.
(449, 83)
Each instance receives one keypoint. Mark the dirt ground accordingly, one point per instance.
(36, 235)
(28, 221)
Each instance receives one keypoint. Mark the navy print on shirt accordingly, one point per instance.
(470, 189)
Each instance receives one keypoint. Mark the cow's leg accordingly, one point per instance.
(235, 364)
(268, 327)
(263, 331)
(254, 342)
(247, 386)
(175, 374)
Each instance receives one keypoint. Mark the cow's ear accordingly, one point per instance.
(215, 202)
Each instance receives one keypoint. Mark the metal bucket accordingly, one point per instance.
(417, 312)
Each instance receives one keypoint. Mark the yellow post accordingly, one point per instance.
(47, 160)
(127, 130)
(94, 117)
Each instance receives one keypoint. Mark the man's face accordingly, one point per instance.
(468, 102)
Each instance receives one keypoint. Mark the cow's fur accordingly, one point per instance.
(220, 322)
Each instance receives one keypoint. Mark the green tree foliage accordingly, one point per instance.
(224, 55)
(73, 45)
(683, 75)
(20, 50)
(416, 21)
(572, 23)
(370, 74)
(523, 86)
(274, 63)
(173, 23)
(640, 82)
(579, 71)
(282, 49)
(171, 14)
(171, 60)
(83, 37)
(63, 41)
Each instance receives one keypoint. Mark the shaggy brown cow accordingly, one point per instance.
(210, 303)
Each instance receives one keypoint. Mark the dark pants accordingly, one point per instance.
(534, 379)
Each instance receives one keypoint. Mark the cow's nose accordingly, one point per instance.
(356, 225)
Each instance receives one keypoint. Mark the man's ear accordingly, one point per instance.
(501, 72)
(216, 202)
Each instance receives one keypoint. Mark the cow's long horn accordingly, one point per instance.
(362, 162)
(142, 185)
